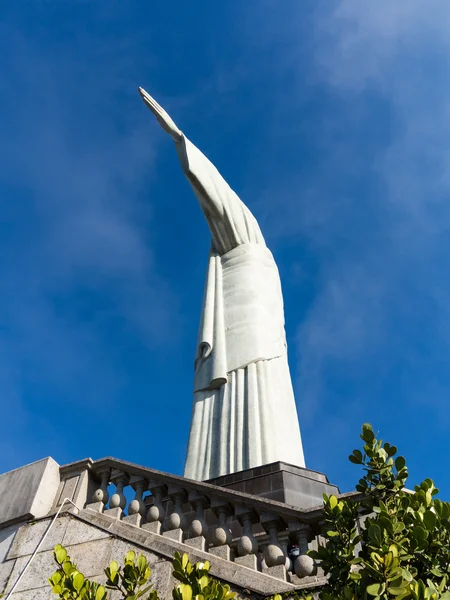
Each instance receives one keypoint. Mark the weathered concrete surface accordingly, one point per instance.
(93, 540)
(28, 537)
(28, 492)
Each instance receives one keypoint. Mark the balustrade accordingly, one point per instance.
(136, 508)
(156, 512)
(247, 546)
(100, 497)
(260, 534)
(175, 520)
(304, 565)
(221, 536)
(274, 556)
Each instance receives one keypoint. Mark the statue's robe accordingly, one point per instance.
(244, 412)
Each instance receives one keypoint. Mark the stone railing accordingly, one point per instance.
(261, 534)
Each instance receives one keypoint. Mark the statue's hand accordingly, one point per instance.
(164, 120)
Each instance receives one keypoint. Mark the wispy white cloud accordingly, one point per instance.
(397, 53)
(74, 224)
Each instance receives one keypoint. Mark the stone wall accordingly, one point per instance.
(91, 548)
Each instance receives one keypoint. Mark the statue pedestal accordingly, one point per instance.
(280, 481)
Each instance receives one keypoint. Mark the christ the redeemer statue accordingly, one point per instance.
(244, 412)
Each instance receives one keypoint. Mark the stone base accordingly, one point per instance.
(97, 506)
(279, 571)
(133, 520)
(247, 561)
(221, 552)
(198, 542)
(280, 481)
(116, 513)
(154, 527)
(174, 534)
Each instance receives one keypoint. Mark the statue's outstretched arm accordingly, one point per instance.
(202, 174)
(228, 218)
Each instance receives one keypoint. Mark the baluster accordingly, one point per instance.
(100, 496)
(274, 556)
(176, 521)
(247, 546)
(284, 541)
(136, 508)
(118, 500)
(198, 529)
(221, 536)
(156, 512)
(304, 565)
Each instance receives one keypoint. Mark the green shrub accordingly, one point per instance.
(132, 580)
(401, 548)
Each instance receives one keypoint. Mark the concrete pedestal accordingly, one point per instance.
(280, 481)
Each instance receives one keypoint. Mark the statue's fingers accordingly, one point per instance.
(162, 116)
(151, 103)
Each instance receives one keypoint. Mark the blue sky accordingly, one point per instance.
(329, 118)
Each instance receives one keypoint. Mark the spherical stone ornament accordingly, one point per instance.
(274, 555)
(305, 566)
(155, 514)
(174, 521)
(115, 501)
(196, 528)
(247, 545)
(100, 496)
(221, 536)
(134, 507)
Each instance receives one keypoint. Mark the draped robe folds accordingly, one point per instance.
(244, 412)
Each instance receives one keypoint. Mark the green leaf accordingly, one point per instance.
(68, 567)
(357, 456)
(60, 554)
(114, 566)
(130, 557)
(375, 589)
(57, 589)
(367, 433)
(436, 572)
(55, 578)
(397, 591)
(142, 563)
(419, 533)
(333, 502)
(429, 519)
(99, 594)
(375, 536)
(392, 450)
(78, 581)
(407, 576)
(186, 592)
(400, 462)
(185, 560)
